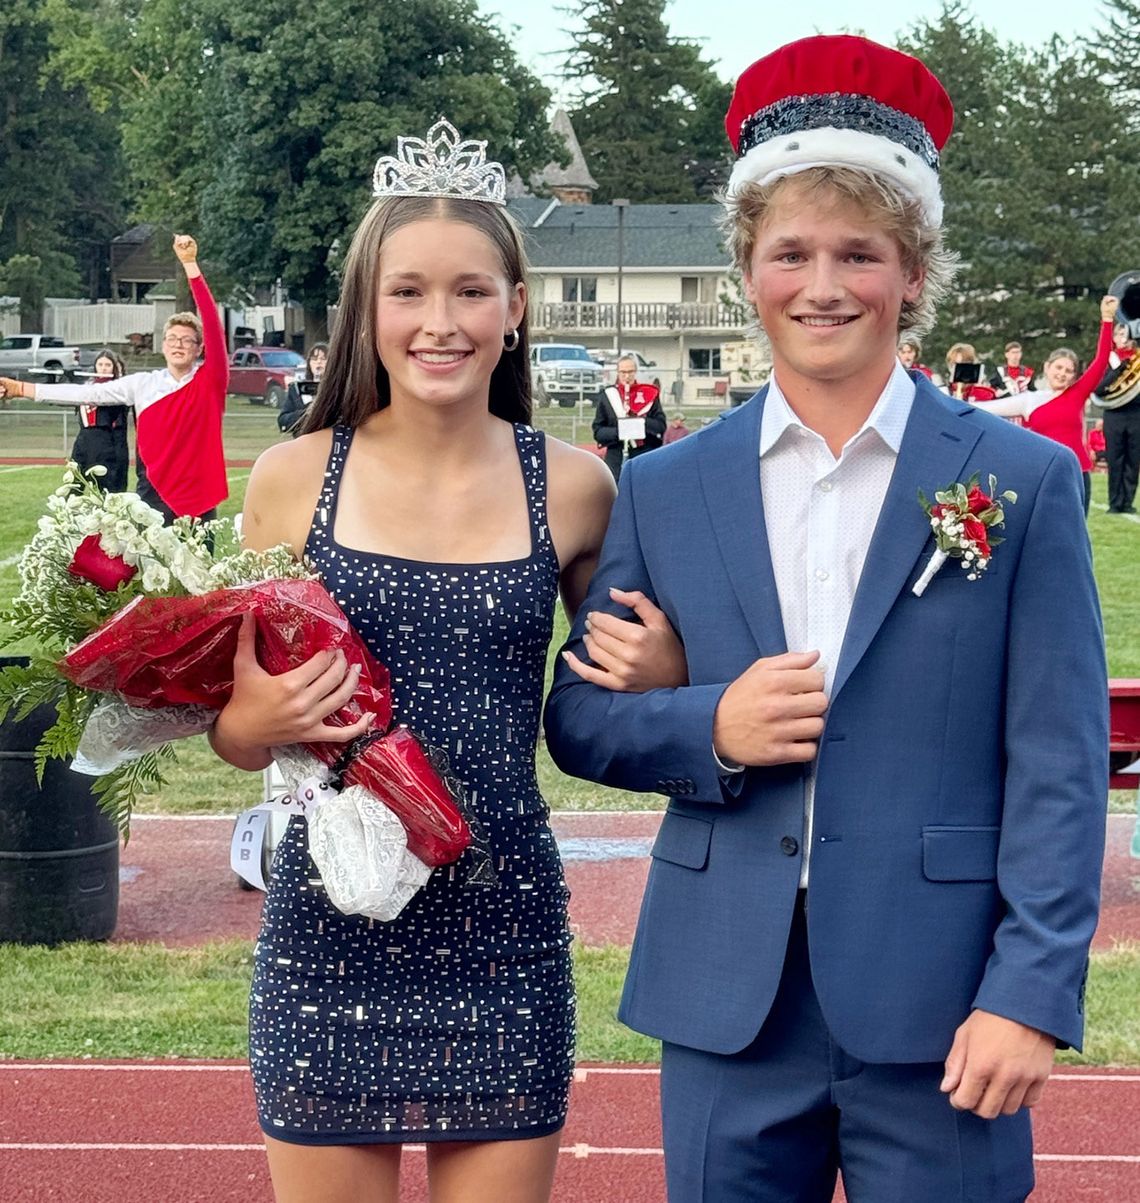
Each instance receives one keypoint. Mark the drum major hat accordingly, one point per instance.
(841, 101)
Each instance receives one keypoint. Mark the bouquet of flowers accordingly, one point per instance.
(136, 626)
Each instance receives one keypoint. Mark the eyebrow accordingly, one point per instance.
(419, 276)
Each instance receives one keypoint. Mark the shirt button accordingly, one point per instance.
(825, 486)
(789, 846)
(821, 574)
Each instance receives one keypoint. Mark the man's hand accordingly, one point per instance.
(10, 389)
(997, 1066)
(1108, 308)
(631, 657)
(773, 712)
(185, 248)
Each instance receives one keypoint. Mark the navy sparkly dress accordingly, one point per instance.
(455, 1021)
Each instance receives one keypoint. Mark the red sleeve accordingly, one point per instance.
(216, 366)
(1091, 376)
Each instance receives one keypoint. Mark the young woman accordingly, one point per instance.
(445, 527)
(102, 437)
(296, 401)
(1057, 410)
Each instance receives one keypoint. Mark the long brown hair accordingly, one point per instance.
(355, 383)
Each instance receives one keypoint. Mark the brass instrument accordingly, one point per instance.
(1125, 385)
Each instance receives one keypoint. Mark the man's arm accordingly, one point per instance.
(655, 420)
(1052, 837)
(648, 742)
(109, 392)
(216, 366)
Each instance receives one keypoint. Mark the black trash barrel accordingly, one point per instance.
(59, 854)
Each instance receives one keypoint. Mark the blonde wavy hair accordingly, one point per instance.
(921, 246)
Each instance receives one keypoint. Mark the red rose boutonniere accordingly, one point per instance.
(961, 517)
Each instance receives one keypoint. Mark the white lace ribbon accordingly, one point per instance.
(359, 846)
(116, 733)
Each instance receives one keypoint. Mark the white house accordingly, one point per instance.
(662, 271)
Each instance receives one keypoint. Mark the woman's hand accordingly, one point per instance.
(631, 657)
(266, 710)
(1108, 307)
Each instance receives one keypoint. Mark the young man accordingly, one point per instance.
(867, 919)
(1014, 376)
(178, 409)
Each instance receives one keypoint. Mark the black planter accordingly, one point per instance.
(59, 854)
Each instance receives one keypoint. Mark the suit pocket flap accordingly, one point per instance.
(960, 853)
(683, 840)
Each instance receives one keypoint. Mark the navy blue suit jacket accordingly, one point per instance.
(961, 778)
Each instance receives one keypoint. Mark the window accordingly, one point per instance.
(704, 361)
(16, 344)
(700, 289)
(580, 288)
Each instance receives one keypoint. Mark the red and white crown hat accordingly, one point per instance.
(841, 101)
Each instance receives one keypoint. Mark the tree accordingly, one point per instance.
(307, 101)
(59, 203)
(650, 111)
(1039, 178)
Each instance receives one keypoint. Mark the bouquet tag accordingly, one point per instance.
(247, 845)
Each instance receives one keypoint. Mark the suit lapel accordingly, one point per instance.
(935, 446)
(730, 480)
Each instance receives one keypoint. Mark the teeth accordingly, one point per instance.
(825, 321)
(440, 356)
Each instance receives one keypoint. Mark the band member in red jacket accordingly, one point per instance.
(1013, 376)
(629, 419)
(178, 409)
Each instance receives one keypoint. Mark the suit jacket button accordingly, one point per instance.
(789, 846)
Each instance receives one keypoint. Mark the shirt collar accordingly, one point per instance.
(888, 418)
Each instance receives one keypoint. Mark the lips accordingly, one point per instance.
(820, 322)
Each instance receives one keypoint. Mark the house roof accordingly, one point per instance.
(575, 174)
(652, 236)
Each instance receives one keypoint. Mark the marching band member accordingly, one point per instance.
(628, 399)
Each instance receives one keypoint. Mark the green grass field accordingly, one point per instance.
(129, 1000)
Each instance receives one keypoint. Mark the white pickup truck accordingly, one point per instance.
(33, 354)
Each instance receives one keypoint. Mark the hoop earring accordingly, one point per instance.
(511, 341)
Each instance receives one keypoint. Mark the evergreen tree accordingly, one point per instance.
(1039, 178)
(650, 111)
(59, 204)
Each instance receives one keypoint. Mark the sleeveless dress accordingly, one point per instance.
(456, 1020)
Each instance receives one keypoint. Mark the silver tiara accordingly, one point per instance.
(440, 165)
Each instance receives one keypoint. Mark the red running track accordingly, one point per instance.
(186, 1133)
(177, 886)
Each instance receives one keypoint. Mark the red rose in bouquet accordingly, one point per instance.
(92, 563)
(168, 651)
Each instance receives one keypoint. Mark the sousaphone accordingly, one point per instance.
(1124, 386)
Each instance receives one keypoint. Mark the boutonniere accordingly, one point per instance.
(961, 517)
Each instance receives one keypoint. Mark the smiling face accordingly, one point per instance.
(828, 285)
(1060, 373)
(443, 308)
(180, 348)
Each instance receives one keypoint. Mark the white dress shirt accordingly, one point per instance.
(820, 513)
(138, 390)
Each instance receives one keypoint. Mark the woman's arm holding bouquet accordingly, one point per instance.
(268, 711)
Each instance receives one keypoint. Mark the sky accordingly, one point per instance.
(735, 33)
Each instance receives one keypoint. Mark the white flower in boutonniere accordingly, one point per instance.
(961, 517)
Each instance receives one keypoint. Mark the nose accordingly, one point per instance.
(823, 286)
(438, 319)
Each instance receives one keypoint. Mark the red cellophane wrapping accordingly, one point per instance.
(169, 651)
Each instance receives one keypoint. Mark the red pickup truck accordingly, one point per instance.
(263, 374)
